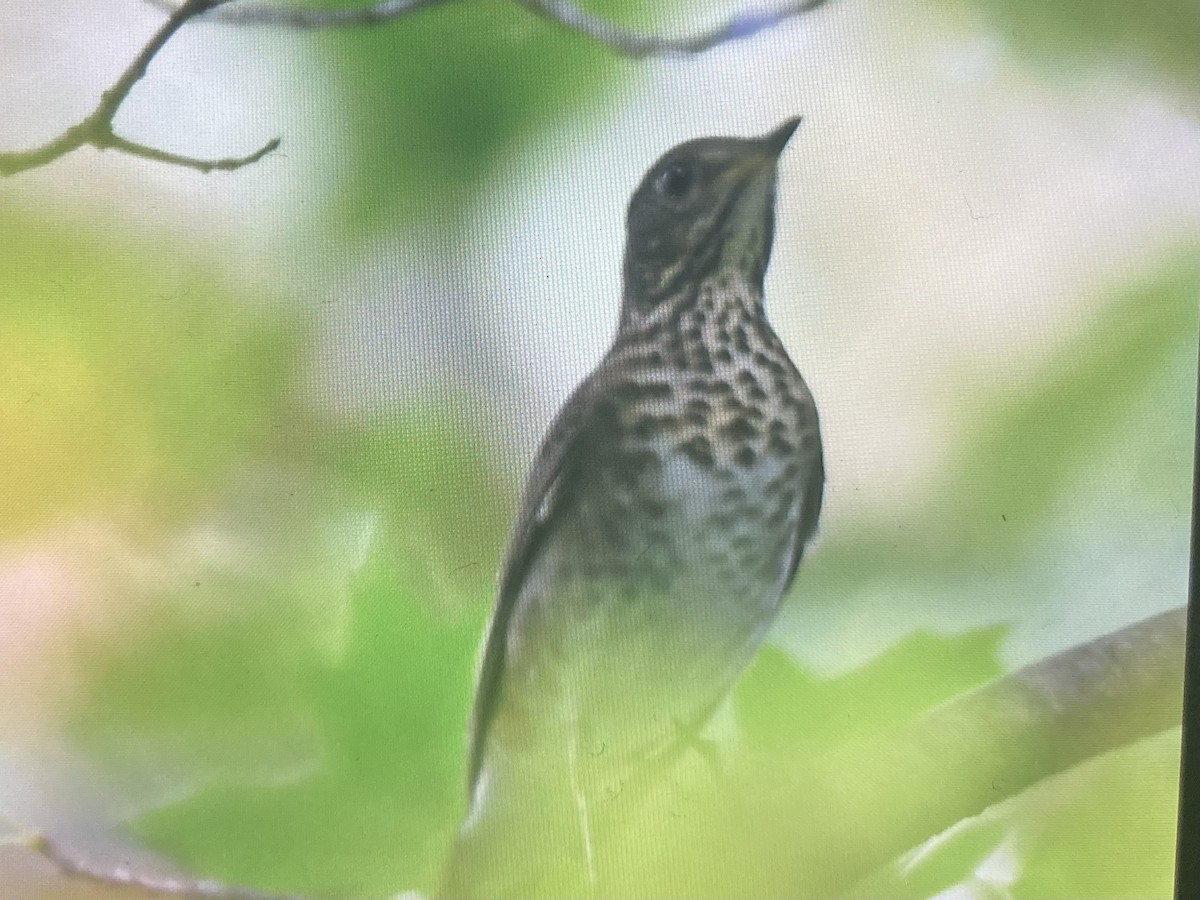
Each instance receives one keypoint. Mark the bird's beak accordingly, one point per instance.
(762, 153)
(749, 197)
(773, 143)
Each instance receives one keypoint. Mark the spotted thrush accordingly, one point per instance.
(670, 503)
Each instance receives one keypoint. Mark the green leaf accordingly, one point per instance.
(952, 859)
(1107, 830)
(444, 507)
(298, 757)
(782, 708)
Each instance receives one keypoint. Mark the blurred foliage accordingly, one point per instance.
(1110, 415)
(1113, 836)
(1027, 440)
(123, 379)
(1105, 830)
(340, 774)
(375, 806)
(135, 386)
(914, 675)
(336, 772)
(1024, 446)
(328, 758)
(1163, 36)
(438, 101)
(444, 508)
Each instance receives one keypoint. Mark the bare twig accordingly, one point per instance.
(627, 42)
(618, 38)
(299, 17)
(97, 129)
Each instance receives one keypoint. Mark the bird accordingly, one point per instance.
(661, 525)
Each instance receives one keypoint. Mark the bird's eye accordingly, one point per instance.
(676, 181)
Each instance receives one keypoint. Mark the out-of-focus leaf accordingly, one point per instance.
(435, 101)
(1108, 831)
(185, 692)
(377, 811)
(950, 861)
(289, 766)
(1105, 829)
(446, 511)
(1164, 36)
(1028, 440)
(125, 378)
(782, 708)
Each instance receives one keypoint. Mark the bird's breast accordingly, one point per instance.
(678, 519)
(688, 500)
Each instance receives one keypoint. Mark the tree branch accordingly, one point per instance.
(299, 17)
(993, 743)
(876, 801)
(621, 40)
(634, 44)
(97, 129)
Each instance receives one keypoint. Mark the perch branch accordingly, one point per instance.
(97, 129)
(971, 753)
(563, 13)
(995, 742)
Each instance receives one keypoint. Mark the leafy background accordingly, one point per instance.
(261, 433)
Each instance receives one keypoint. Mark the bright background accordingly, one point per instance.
(261, 433)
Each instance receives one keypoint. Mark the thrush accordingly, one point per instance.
(669, 505)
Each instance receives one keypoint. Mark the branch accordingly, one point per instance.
(634, 44)
(621, 40)
(787, 825)
(298, 17)
(818, 833)
(97, 129)
(993, 743)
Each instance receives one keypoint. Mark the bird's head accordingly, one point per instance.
(707, 205)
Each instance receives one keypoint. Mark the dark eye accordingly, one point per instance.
(676, 181)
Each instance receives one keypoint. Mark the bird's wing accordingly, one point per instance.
(543, 500)
(808, 507)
